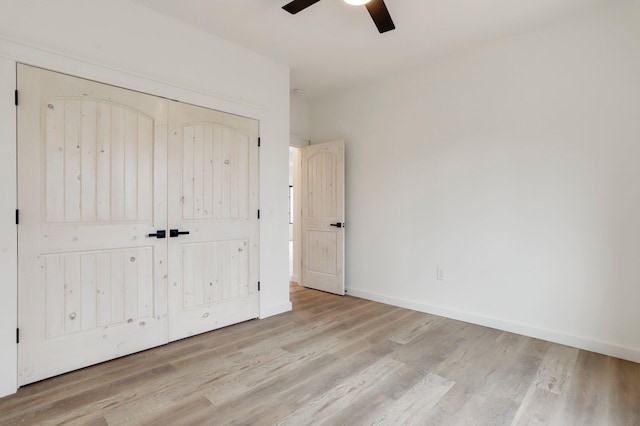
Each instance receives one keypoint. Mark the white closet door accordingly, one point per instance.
(323, 216)
(213, 203)
(91, 186)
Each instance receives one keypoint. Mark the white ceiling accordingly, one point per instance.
(333, 45)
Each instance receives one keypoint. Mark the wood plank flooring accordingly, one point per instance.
(342, 361)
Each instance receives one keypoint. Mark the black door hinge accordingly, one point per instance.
(16, 97)
(258, 213)
(17, 335)
(17, 217)
(258, 141)
(258, 285)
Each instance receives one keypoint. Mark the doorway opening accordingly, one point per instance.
(295, 261)
(317, 236)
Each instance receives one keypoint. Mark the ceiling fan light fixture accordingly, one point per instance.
(357, 2)
(376, 8)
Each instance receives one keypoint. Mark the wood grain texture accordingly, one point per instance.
(213, 190)
(342, 360)
(322, 205)
(91, 284)
(83, 184)
(215, 178)
(76, 302)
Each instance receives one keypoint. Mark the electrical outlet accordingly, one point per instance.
(440, 274)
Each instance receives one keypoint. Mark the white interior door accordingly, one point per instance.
(323, 216)
(91, 186)
(213, 201)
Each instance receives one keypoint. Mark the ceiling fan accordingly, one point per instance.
(377, 9)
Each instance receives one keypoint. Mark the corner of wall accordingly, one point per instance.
(554, 336)
(269, 311)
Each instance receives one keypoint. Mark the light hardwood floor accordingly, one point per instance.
(342, 360)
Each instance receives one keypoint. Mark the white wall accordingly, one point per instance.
(516, 168)
(122, 43)
(300, 121)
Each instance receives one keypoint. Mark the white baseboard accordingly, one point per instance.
(270, 311)
(579, 342)
(294, 279)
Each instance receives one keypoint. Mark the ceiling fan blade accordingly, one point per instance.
(297, 5)
(380, 15)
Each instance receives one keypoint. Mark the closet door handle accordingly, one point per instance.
(176, 233)
(159, 234)
(337, 225)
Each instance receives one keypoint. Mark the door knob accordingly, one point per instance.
(176, 232)
(159, 234)
(337, 225)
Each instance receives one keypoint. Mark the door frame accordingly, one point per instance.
(8, 232)
(297, 214)
(295, 147)
(271, 298)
